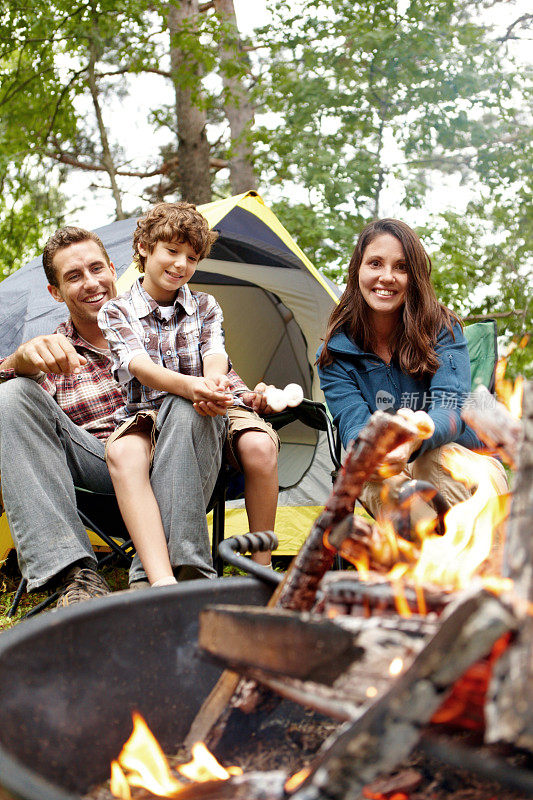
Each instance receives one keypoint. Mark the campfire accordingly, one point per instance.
(427, 631)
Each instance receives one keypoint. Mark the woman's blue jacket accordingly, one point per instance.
(357, 383)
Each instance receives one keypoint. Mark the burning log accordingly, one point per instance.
(388, 730)
(382, 434)
(510, 707)
(345, 593)
(333, 666)
(493, 424)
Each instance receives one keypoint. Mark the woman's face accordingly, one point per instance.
(383, 275)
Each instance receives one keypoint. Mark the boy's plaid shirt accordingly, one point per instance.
(92, 397)
(133, 325)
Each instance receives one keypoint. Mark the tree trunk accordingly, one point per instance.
(107, 158)
(237, 107)
(193, 146)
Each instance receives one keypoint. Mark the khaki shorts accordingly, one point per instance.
(241, 420)
(143, 422)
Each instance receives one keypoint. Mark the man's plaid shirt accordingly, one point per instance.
(91, 397)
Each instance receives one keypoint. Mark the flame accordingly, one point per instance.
(452, 559)
(143, 764)
(511, 395)
(205, 767)
(395, 576)
(119, 783)
(362, 566)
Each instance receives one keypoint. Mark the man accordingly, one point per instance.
(54, 439)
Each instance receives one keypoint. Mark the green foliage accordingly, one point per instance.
(31, 208)
(365, 108)
(367, 101)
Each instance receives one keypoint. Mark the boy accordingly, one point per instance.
(166, 339)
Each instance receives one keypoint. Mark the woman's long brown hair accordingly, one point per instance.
(412, 343)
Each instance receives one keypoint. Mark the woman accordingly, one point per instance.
(390, 344)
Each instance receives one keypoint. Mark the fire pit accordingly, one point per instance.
(70, 681)
(67, 715)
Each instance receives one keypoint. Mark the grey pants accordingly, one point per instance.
(43, 455)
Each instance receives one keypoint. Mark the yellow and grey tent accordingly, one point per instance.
(275, 304)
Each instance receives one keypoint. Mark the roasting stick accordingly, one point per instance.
(382, 434)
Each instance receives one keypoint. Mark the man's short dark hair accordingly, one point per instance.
(62, 238)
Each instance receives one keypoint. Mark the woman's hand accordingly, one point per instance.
(396, 460)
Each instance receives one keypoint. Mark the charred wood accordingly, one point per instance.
(478, 761)
(345, 593)
(388, 730)
(382, 434)
(510, 703)
(334, 667)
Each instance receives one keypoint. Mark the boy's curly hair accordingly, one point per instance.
(173, 222)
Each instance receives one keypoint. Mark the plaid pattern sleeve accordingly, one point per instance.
(236, 383)
(123, 332)
(92, 397)
(6, 373)
(211, 333)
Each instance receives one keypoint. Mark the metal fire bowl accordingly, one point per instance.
(69, 681)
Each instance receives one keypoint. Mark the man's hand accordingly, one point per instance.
(210, 396)
(257, 400)
(51, 353)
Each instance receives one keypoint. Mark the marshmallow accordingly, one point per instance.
(276, 398)
(406, 413)
(294, 394)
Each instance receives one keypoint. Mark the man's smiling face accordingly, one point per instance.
(85, 281)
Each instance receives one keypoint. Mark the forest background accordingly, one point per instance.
(337, 112)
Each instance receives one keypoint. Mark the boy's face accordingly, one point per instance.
(168, 267)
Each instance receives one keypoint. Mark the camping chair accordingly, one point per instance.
(482, 341)
(100, 514)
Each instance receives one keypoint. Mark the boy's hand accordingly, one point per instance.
(219, 382)
(257, 400)
(210, 396)
(51, 353)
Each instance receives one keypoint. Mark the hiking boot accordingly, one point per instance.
(79, 584)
